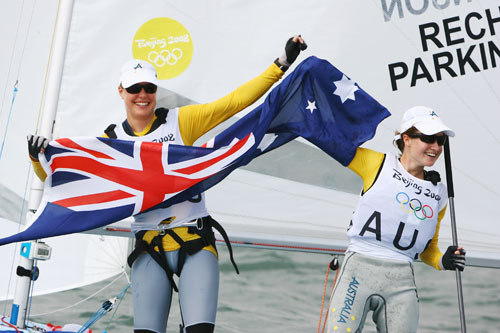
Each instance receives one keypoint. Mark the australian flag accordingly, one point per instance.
(93, 182)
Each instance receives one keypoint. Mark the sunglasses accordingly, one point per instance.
(441, 139)
(149, 88)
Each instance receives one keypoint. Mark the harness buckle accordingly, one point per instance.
(161, 229)
(199, 223)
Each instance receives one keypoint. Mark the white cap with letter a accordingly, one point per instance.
(137, 71)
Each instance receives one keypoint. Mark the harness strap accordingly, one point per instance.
(110, 131)
(182, 251)
(158, 241)
(207, 237)
(161, 118)
(142, 246)
(223, 233)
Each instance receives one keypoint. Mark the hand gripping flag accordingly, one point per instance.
(93, 182)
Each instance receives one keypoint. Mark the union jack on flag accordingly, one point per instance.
(136, 175)
(93, 182)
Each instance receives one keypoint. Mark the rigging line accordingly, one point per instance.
(8, 119)
(114, 312)
(83, 300)
(9, 324)
(26, 39)
(331, 296)
(12, 57)
(451, 87)
(483, 185)
(17, 73)
(26, 186)
(104, 309)
(323, 297)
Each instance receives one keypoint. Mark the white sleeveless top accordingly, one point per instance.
(180, 213)
(397, 217)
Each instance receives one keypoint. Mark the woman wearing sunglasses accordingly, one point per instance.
(185, 244)
(396, 221)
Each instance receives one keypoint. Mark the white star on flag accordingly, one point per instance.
(345, 88)
(311, 106)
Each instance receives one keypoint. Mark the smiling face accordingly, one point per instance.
(140, 107)
(418, 154)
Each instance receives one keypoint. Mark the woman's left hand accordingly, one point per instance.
(453, 258)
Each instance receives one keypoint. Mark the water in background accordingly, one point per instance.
(280, 291)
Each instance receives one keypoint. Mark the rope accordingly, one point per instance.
(79, 302)
(18, 68)
(331, 294)
(12, 55)
(9, 324)
(113, 315)
(105, 308)
(8, 118)
(323, 297)
(333, 265)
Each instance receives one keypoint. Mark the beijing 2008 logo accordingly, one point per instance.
(415, 206)
(166, 44)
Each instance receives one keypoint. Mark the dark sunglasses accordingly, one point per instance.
(149, 88)
(441, 139)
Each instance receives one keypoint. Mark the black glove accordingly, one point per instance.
(35, 144)
(452, 261)
(292, 50)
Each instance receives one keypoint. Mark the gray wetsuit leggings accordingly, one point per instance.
(152, 292)
(384, 286)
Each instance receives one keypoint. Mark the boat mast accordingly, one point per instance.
(45, 128)
(53, 86)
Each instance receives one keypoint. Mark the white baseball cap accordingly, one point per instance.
(425, 120)
(136, 71)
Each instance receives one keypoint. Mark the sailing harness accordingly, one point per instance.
(203, 228)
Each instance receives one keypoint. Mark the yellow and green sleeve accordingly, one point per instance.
(366, 164)
(432, 254)
(37, 168)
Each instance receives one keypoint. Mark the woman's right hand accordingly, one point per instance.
(36, 145)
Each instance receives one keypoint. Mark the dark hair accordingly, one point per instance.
(399, 143)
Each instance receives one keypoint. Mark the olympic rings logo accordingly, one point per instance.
(415, 206)
(165, 57)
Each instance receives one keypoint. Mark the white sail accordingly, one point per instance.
(439, 53)
(81, 259)
(85, 259)
(449, 49)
